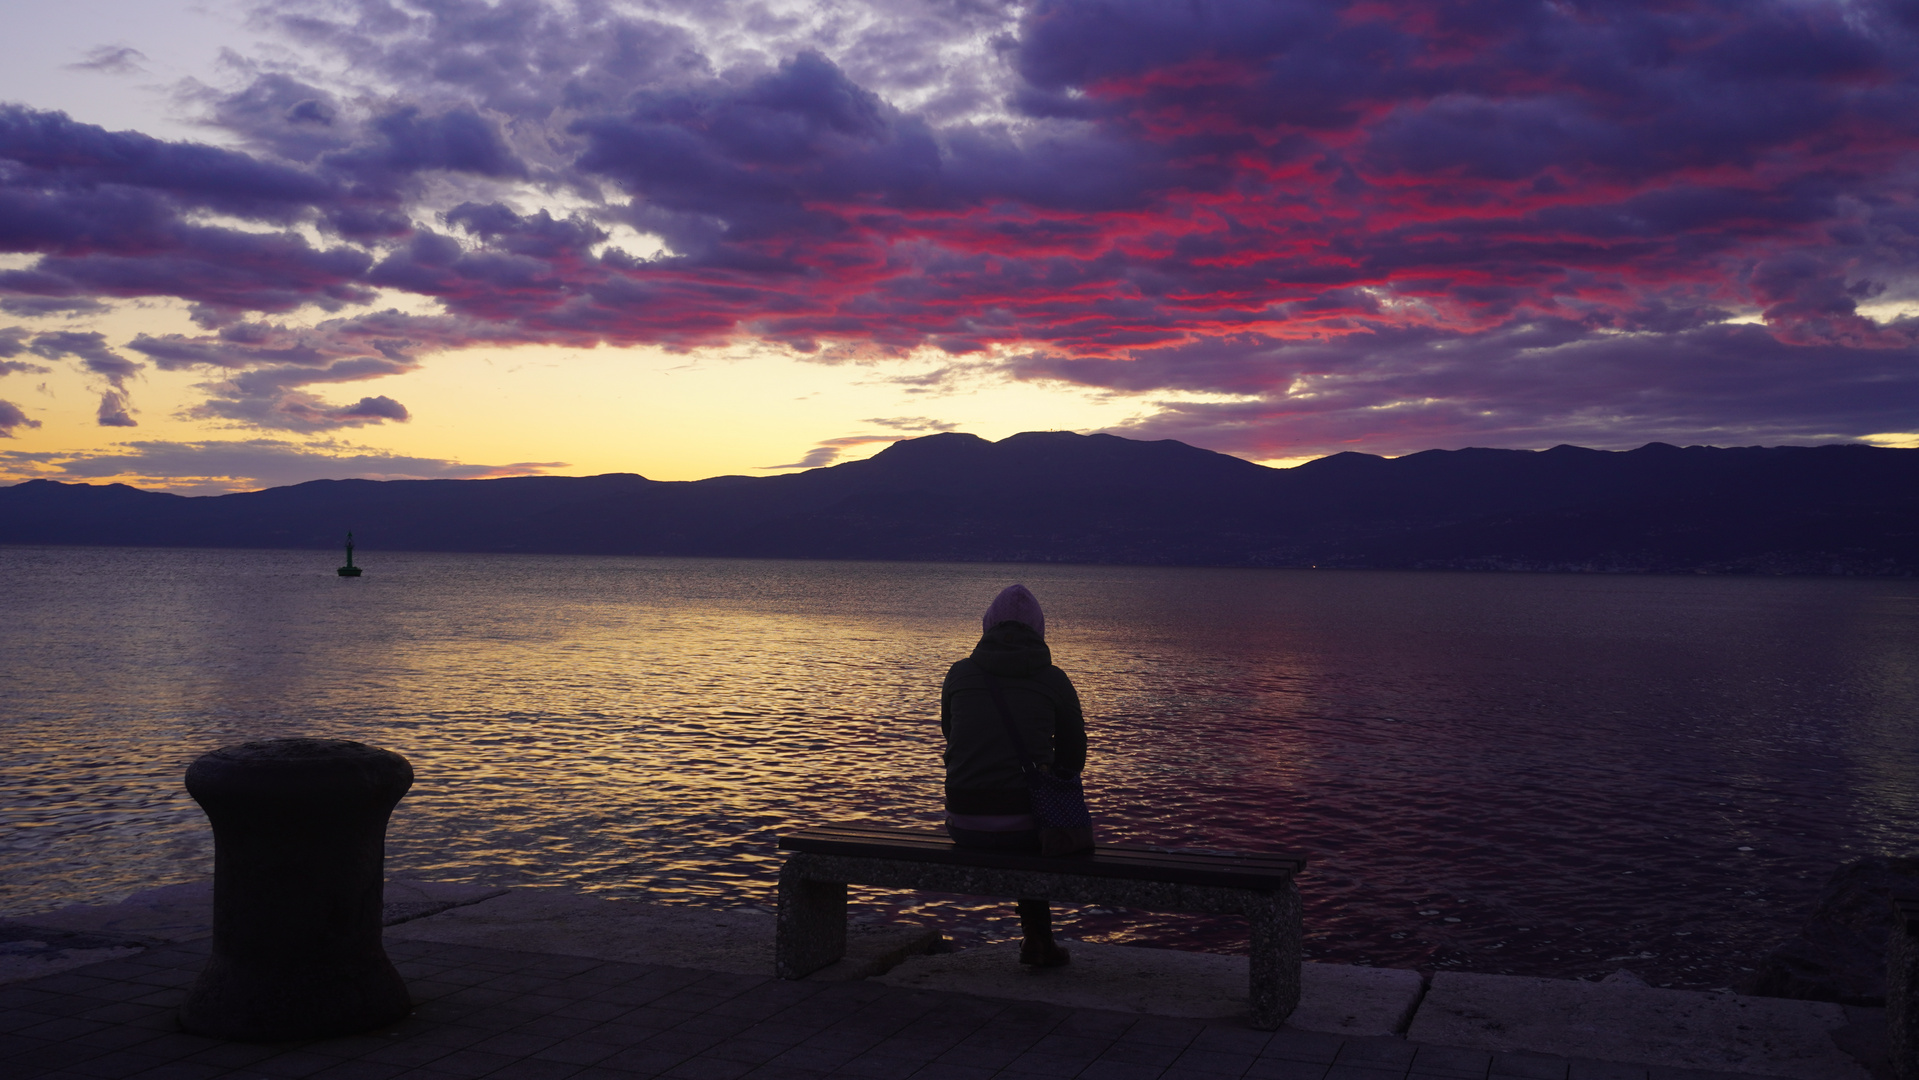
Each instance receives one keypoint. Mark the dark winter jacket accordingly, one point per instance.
(982, 771)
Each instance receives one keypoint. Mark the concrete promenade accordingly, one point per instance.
(548, 984)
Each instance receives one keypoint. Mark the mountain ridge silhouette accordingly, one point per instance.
(1065, 497)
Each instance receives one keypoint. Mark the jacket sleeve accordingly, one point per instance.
(946, 700)
(1069, 730)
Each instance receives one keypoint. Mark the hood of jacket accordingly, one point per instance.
(1012, 650)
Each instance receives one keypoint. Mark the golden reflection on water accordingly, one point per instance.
(1569, 766)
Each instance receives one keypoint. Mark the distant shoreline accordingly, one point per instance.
(1060, 498)
(1597, 571)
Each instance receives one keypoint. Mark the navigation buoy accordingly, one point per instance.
(349, 570)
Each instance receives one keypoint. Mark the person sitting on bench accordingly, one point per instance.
(987, 804)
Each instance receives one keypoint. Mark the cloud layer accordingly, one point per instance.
(218, 467)
(1287, 227)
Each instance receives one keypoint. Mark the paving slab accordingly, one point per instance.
(80, 934)
(168, 913)
(508, 1013)
(28, 953)
(1335, 998)
(1636, 1024)
(737, 940)
(184, 911)
(404, 900)
(548, 982)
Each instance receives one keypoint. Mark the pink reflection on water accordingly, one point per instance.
(1567, 766)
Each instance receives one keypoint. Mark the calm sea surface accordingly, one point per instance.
(1558, 775)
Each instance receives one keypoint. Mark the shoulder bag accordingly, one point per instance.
(1059, 803)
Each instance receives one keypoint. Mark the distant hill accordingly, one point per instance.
(1061, 497)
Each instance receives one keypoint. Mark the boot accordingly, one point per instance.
(1042, 954)
(1036, 922)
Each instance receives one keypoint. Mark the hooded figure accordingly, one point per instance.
(987, 803)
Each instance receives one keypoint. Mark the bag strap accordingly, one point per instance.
(993, 687)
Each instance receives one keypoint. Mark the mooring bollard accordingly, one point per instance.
(299, 846)
(1902, 986)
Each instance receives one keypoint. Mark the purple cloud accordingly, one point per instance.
(919, 424)
(1529, 383)
(1292, 225)
(282, 116)
(112, 60)
(58, 156)
(11, 418)
(40, 306)
(216, 467)
(116, 409)
(90, 348)
(271, 398)
(459, 140)
(829, 450)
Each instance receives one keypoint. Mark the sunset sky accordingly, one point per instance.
(247, 244)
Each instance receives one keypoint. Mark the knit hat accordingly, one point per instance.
(1015, 603)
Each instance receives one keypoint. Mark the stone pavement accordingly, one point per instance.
(490, 1012)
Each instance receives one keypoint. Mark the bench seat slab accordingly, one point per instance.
(811, 931)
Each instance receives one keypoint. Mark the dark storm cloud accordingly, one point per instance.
(1429, 214)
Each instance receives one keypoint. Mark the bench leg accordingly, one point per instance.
(1275, 959)
(1902, 988)
(811, 930)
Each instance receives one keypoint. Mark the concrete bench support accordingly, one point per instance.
(812, 920)
(1902, 987)
(811, 930)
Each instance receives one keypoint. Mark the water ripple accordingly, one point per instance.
(1529, 774)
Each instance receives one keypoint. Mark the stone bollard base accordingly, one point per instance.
(235, 1002)
(299, 837)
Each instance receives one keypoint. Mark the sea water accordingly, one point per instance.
(1538, 774)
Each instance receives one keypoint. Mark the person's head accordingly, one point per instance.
(1015, 603)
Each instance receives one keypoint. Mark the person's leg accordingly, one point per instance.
(1035, 918)
(1036, 924)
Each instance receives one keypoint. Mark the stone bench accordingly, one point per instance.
(823, 861)
(1902, 986)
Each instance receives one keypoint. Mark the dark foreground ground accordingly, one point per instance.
(486, 1012)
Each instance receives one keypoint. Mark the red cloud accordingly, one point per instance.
(1215, 198)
